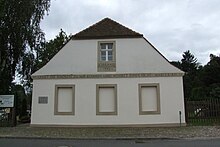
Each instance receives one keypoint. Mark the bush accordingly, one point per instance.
(25, 119)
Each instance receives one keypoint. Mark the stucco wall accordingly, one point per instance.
(132, 56)
(171, 101)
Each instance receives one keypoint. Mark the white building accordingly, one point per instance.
(108, 75)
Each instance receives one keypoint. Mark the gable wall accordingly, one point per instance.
(133, 55)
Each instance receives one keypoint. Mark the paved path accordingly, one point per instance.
(112, 133)
(108, 143)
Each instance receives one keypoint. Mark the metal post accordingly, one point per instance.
(180, 113)
(14, 119)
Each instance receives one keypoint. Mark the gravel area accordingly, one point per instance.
(113, 133)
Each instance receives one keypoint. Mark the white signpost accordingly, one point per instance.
(6, 101)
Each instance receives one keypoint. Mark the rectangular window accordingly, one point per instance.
(42, 100)
(149, 99)
(106, 51)
(64, 100)
(106, 99)
(106, 56)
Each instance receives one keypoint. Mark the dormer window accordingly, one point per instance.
(106, 56)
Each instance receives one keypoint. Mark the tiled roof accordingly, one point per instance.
(105, 29)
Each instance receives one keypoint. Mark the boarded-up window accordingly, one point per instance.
(106, 100)
(64, 99)
(149, 99)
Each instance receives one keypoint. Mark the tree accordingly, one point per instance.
(200, 82)
(23, 108)
(20, 34)
(211, 72)
(189, 62)
(19, 93)
(45, 52)
(190, 66)
(210, 77)
(177, 64)
(51, 48)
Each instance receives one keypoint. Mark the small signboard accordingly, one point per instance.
(6, 101)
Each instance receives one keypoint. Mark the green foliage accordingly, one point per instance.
(189, 62)
(23, 108)
(200, 82)
(198, 92)
(210, 73)
(51, 48)
(190, 66)
(19, 93)
(25, 119)
(20, 33)
(215, 90)
(45, 52)
(176, 64)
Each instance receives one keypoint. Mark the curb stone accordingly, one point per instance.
(109, 138)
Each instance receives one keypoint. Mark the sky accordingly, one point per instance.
(172, 26)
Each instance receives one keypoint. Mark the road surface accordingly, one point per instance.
(4, 142)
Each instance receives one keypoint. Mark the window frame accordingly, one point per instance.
(56, 112)
(155, 85)
(110, 65)
(107, 51)
(98, 86)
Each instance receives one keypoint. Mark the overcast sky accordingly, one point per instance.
(172, 26)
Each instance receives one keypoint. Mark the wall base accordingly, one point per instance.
(116, 126)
